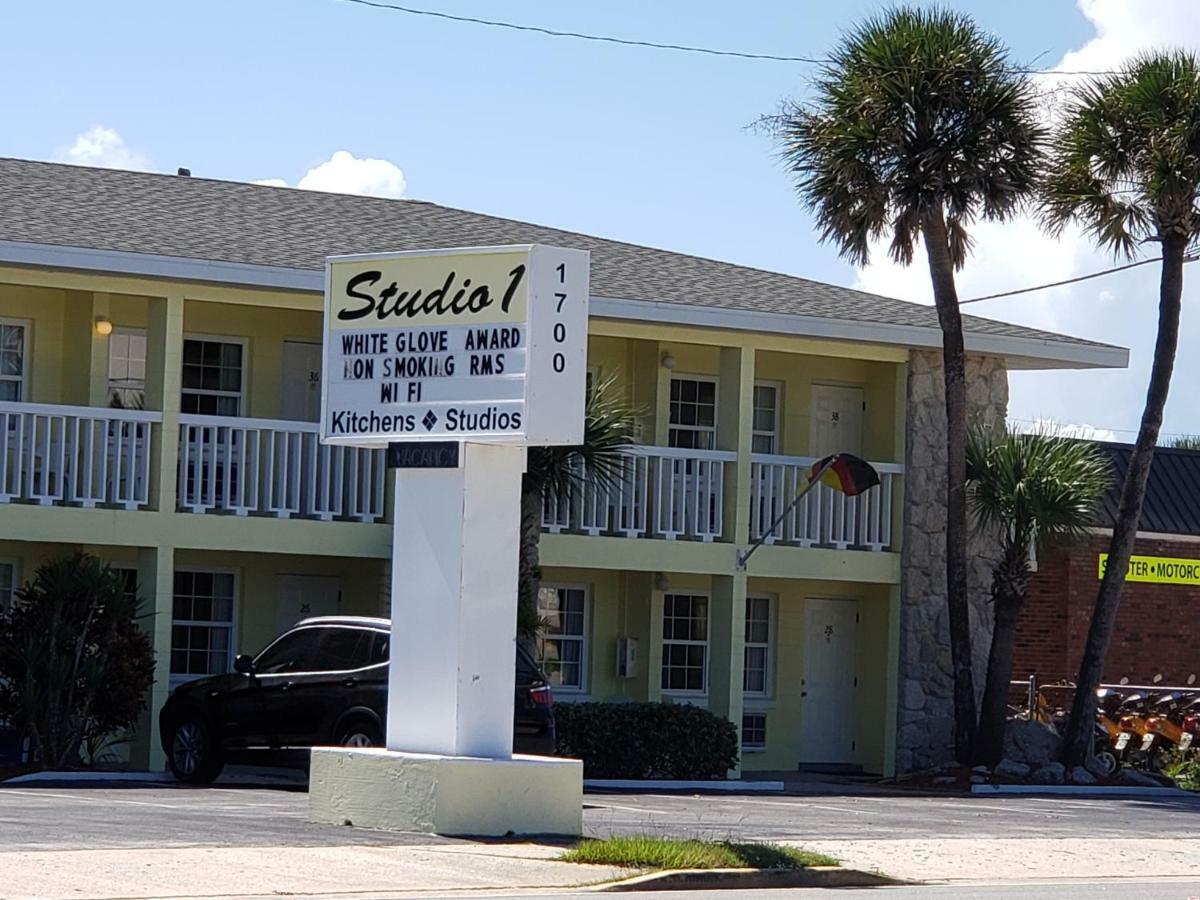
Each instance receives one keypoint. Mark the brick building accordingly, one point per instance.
(1158, 624)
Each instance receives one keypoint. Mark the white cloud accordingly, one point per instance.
(344, 173)
(1119, 309)
(103, 147)
(1082, 431)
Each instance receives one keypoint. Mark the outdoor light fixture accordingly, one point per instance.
(103, 326)
(661, 581)
(668, 359)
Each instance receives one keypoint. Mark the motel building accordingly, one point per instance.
(160, 373)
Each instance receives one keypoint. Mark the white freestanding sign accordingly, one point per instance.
(485, 344)
(486, 347)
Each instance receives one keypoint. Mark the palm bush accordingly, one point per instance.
(1030, 488)
(919, 127)
(1125, 164)
(74, 666)
(564, 472)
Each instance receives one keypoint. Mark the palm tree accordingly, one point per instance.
(919, 127)
(608, 432)
(1031, 488)
(1125, 164)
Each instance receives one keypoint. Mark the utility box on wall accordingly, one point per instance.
(627, 657)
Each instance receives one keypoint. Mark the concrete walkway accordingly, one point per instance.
(346, 871)
(951, 860)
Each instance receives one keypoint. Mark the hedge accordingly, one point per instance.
(647, 740)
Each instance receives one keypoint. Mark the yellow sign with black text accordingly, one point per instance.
(1159, 570)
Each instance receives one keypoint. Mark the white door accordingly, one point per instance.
(301, 394)
(837, 419)
(827, 708)
(305, 596)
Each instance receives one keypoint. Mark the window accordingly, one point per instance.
(202, 627)
(13, 353)
(754, 731)
(756, 675)
(127, 368)
(212, 377)
(344, 649)
(765, 425)
(8, 583)
(562, 646)
(685, 643)
(693, 414)
(296, 651)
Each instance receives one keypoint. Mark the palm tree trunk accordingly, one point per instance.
(529, 567)
(1008, 595)
(945, 298)
(1077, 742)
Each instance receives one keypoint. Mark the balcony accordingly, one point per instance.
(662, 492)
(267, 467)
(669, 494)
(75, 455)
(825, 517)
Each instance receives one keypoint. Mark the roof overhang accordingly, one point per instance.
(1019, 352)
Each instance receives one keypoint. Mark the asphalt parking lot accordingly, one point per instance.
(74, 816)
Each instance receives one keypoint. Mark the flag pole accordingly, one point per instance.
(744, 555)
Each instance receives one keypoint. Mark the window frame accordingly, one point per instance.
(775, 433)
(706, 644)
(177, 678)
(244, 343)
(756, 747)
(768, 691)
(345, 626)
(702, 429)
(127, 331)
(16, 577)
(585, 639)
(26, 326)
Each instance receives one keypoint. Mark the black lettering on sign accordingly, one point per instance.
(394, 302)
(423, 455)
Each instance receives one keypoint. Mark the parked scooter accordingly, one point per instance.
(1190, 725)
(1132, 725)
(1108, 730)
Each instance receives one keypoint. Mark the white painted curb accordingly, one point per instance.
(1095, 790)
(653, 784)
(34, 777)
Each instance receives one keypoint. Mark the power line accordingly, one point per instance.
(656, 45)
(1078, 278)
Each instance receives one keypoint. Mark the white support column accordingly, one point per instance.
(156, 581)
(451, 679)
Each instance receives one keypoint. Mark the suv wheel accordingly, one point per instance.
(192, 756)
(359, 733)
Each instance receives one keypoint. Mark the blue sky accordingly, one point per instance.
(641, 145)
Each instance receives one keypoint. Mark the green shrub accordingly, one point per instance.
(74, 666)
(647, 740)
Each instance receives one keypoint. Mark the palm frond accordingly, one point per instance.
(1034, 486)
(918, 110)
(609, 430)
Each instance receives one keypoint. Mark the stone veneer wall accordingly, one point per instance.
(925, 718)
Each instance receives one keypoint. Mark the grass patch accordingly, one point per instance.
(645, 852)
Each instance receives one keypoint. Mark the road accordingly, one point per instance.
(32, 817)
(66, 834)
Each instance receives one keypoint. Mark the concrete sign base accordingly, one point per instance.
(453, 795)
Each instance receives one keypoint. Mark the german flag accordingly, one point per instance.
(844, 472)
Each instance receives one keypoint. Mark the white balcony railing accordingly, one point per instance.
(661, 492)
(275, 468)
(825, 517)
(75, 455)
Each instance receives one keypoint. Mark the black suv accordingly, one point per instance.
(322, 683)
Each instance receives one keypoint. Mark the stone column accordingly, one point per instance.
(925, 716)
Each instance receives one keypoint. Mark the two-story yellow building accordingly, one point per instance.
(159, 386)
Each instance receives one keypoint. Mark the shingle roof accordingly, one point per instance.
(198, 218)
(1172, 504)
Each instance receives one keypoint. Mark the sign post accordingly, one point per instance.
(457, 361)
